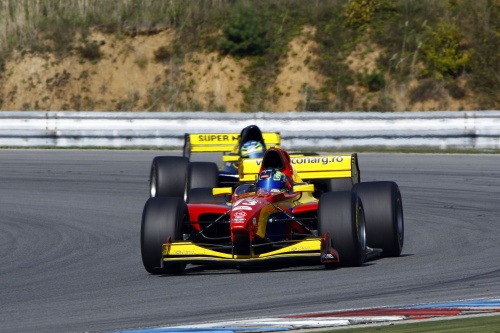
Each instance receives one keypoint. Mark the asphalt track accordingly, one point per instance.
(70, 256)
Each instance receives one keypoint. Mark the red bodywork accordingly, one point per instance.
(250, 212)
(254, 209)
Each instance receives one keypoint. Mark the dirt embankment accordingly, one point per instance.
(129, 77)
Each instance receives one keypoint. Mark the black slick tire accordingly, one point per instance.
(202, 174)
(341, 215)
(161, 218)
(384, 216)
(168, 176)
(339, 184)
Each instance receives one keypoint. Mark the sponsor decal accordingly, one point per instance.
(244, 202)
(324, 160)
(317, 160)
(238, 220)
(300, 248)
(179, 252)
(217, 137)
(242, 208)
(240, 214)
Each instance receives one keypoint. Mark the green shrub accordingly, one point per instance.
(374, 81)
(443, 52)
(90, 50)
(358, 13)
(246, 33)
(162, 54)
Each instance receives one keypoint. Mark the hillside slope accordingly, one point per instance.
(368, 55)
(127, 78)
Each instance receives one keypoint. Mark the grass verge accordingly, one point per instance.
(482, 324)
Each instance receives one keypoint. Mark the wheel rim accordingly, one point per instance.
(153, 184)
(399, 217)
(186, 188)
(361, 228)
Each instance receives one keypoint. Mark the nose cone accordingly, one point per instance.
(245, 214)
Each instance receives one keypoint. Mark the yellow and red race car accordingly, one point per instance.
(272, 217)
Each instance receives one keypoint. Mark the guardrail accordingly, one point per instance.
(443, 129)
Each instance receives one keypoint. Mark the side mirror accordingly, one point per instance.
(222, 190)
(304, 188)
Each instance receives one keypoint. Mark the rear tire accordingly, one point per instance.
(161, 218)
(384, 216)
(339, 184)
(168, 176)
(341, 215)
(202, 174)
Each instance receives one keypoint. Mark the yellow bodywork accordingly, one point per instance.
(230, 158)
(189, 252)
(306, 194)
(222, 190)
(303, 188)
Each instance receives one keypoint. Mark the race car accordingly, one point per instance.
(175, 175)
(273, 218)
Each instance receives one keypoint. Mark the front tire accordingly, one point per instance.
(341, 215)
(161, 218)
(384, 216)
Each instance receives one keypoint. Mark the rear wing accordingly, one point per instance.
(309, 167)
(222, 142)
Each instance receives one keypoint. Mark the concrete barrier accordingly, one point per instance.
(446, 130)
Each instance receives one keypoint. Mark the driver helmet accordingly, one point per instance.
(252, 149)
(272, 181)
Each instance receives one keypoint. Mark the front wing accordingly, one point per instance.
(309, 249)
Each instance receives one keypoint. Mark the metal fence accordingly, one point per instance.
(443, 129)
